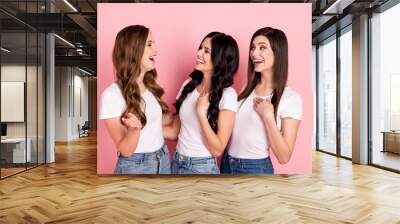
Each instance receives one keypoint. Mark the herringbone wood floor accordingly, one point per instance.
(70, 191)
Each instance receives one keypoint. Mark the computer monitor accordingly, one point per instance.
(3, 129)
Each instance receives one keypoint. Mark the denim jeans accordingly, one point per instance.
(145, 163)
(232, 165)
(194, 165)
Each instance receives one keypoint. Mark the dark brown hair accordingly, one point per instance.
(127, 56)
(279, 46)
(225, 60)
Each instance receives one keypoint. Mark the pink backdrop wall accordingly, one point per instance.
(178, 30)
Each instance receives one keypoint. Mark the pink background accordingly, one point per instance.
(178, 30)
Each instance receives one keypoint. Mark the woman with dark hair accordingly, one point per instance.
(269, 111)
(206, 105)
(132, 107)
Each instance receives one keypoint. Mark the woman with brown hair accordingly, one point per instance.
(269, 111)
(132, 107)
(205, 107)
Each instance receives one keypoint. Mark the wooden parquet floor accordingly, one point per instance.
(70, 191)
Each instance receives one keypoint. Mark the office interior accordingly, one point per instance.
(48, 80)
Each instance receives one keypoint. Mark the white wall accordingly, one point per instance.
(71, 93)
(12, 73)
(62, 80)
(16, 73)
(33, 127)
(79, 117)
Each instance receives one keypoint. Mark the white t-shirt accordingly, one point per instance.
(190, 139)
(249, 136)
(113, 105)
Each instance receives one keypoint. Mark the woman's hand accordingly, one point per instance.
(167, 118)
(203, 104)
(264, 108)
(131, 122)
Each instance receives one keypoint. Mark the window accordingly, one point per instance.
(385, 89)
(327, 95)
(346, 75)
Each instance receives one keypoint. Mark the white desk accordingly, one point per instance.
(19, 149)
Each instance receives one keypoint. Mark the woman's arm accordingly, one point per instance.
(125, 136)
(171, 131)
(282, 144)
(215, 142)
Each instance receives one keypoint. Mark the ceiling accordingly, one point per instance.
(76, 22)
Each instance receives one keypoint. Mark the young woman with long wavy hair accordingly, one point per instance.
(132, 107)
(205, 107)
(269, 111)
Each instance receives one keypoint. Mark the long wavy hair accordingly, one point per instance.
(127, 57)
(225, 59)
(279, 45)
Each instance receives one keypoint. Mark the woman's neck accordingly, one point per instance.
(265, 87)
(206, 82)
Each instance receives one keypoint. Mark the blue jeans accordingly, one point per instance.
(194, 165)
(232, 165)
(145, 163)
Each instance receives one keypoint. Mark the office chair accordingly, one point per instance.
(84, 130)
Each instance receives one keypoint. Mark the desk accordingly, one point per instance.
(391, 141)
(15, 148)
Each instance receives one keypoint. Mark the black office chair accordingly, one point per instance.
(84, 130)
